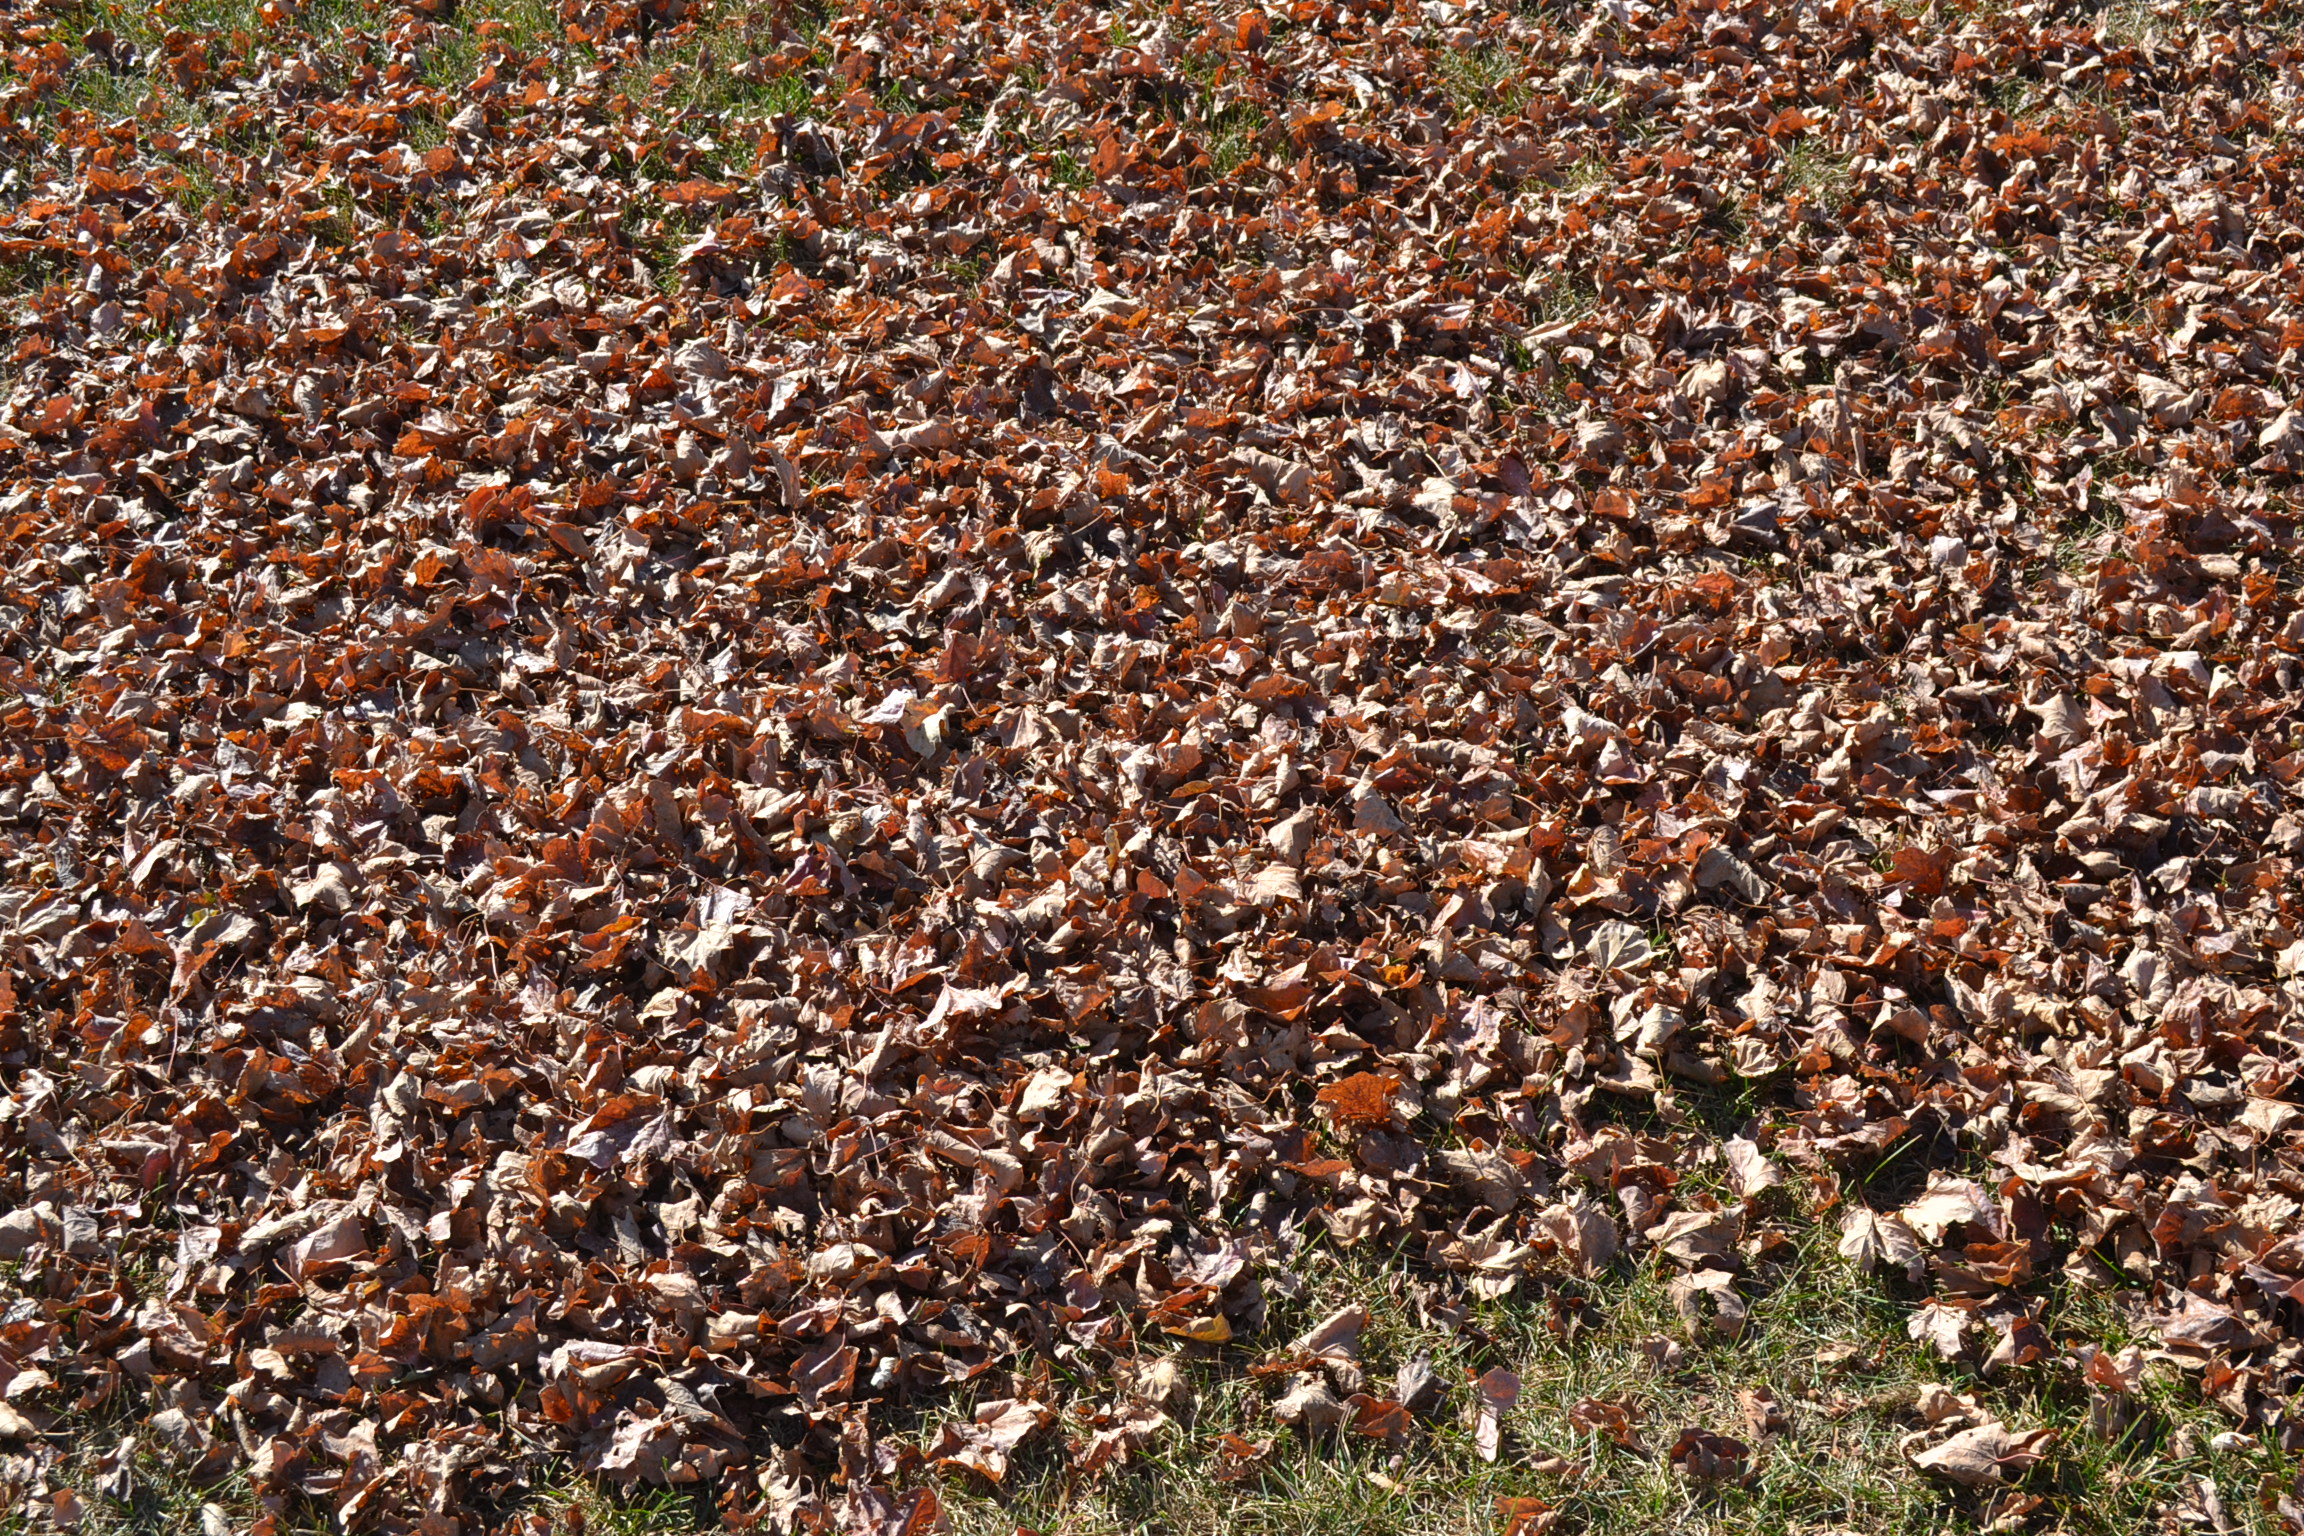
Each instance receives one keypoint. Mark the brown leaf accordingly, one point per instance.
(1749, 1168)
(1336, 1336)
(1871, 1241)
(983, 1445)
(1986, 1454)
(1595, 1416)
(1497, 1390)
(1524, 1515)
(710, 810)
(1702, 1456)
(1238, 1458)
(1311, 1408)
(1764, 1415)
(1380, 1419)
(1364, 1098)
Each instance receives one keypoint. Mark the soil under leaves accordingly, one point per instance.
(723, 725)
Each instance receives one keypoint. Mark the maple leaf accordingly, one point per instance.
(1364, 1098)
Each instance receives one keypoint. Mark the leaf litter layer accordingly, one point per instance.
(723, 725)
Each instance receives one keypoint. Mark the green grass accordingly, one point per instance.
(965, 272)
(1234, 136)
(117, 89)
(717, 74)
(781, 94)
(517, 26)
(657, 231)
(2124, 23)
(22, 277)
(642, 1512)
(1590, 171)
(2077, 538)
(197, 188)
(1819, 176)
(1828, 1343)
(1230, 133)
(704, 69)
(1559, 298)
(1481, 80)
(130, 1485)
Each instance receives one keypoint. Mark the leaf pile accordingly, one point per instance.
(716, 720)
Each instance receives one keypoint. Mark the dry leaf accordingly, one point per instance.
(1594, 1416)
(1524, 1515)
(1749, 1168)
(893, 720)
(1702, 1456)
(1871, 1241)
(1497, 1390)
(1310, 1407)
(983, 1446)
(1985, 1454)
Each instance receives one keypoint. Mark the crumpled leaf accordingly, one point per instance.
(1238, 1458)
(1118, 1438)
(1704, 1457)
(1418, 1387)
(1985, 1454)
(1524, 1515)
(1336, 1336)
(335, 1242)
(1311, 1408)
(1943, 1328)
(1597, 1416)
(1380, 1419)
(1764, 1413)
(1691, 1292)
(1948, 1202)
(1698, 1236)
(984, 1444)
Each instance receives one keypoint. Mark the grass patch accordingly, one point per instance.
(1816, 175)
(721, 75)
(1234, 136)
(643, 1512)
(127, 1484)
(120, 67)
(2080, 541)
(116, 48)
(965, 272)
(1826, 1345)
(22, 277)
(2126, 24)
(517, 26)
(2009, 94)
(1481, 80)
(1587, 173)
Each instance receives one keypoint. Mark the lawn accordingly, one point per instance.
(1340, 767)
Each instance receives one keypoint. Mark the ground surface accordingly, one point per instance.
(1344, 768)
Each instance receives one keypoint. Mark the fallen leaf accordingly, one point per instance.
(1702, 1456)
(1497, 1390)
(1986, 1454)
(983, 1445)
